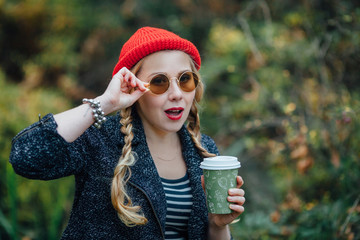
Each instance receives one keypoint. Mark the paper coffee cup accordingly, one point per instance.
(219, 175)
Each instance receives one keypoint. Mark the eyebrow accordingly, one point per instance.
(164, 73)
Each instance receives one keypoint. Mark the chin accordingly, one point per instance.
(173, 127)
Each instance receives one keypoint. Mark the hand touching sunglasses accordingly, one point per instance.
(160, 83)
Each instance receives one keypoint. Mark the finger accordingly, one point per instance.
(237, 208)
(236, 200)
(132, 79)
(239, 181)
(136, 82)
(143, 91)
(236, 192)
(124, 74)
(127, 78)
(144, 86)
(120, 76)
(121, 72)
(136, 94)
(124, 84)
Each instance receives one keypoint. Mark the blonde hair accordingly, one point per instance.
(131, 215)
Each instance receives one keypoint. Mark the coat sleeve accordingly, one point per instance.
(39, 152)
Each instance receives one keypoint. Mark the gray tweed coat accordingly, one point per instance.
(39, 152)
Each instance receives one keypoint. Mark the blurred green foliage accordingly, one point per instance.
(29, 208)
(281, 94)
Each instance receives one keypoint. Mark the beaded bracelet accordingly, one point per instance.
(98, 114)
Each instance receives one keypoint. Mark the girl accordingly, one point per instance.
(137, 172)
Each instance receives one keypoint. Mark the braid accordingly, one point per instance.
(193, 119)
(119, 197)
(193, 127)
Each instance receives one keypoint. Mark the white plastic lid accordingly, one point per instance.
(220, 163)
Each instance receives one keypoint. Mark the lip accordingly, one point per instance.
(174, 116)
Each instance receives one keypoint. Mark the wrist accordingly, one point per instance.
(97, 112)
(106, 104)
(219, 232)
(216, 227)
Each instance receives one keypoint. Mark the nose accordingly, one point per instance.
(175, 92)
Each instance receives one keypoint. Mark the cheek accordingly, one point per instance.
(149, 103)
(190, 98)
(189, 102)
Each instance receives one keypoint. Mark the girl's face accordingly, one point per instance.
(167, 112)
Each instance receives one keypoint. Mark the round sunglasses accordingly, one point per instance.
(160, 83)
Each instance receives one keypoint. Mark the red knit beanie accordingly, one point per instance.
(148, 40)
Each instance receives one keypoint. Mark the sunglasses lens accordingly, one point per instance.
(159, 84)
(188, 81)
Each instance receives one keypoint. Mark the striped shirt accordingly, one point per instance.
(179, 203)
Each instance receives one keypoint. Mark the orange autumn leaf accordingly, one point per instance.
(275, 216)
(304, 164)
(335, 157)
(299, 152)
